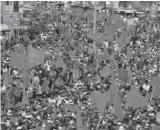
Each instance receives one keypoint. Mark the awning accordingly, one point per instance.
(4, 27)
(129, 11)
(139, 12)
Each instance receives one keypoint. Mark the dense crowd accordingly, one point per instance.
(39, 105)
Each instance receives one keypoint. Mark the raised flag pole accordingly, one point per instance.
(94, 29)
(94, 18)
(94, 24)
(101, 119)
(154, 90)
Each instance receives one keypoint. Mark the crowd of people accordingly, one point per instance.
(39, 105)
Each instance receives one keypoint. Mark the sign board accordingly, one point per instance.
(15, 18)
(15, 15)
(19, 27)
(7, 16)
(26, 19)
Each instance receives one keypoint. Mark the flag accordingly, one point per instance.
(129, 74)
(25, 98)
(144, 35)
(60, 63)
(91, 35)
(106, 55)
(125, 26)
(90, 16)
(99, 100)
(72, 54)
(5, 82)
(129, 54)
(130, 30)
(35, 57)
(155, 82)
(111, 93)
(45, 85)
(100, 39)
(155, 128)
(21, 49)
(123, 76)
(158, 117)
(7, 99)
(135, 89)
(115, 62)
(25, 79)
(109, 18)
(59, 59)
(156, 92)
(79, 123)
(114, 88)
(25, 38)
(112, 57)
(19, 60)
(105, 71)
(69, 107)
(109, 32)
(118, 108)
(134, 100)
(54, 115)
(63, 65)
(122, 40)
(17, 92)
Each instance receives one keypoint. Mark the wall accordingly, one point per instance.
(12, 18)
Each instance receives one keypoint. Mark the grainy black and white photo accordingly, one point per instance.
(80, 65)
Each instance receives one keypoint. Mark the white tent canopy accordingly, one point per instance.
(4, 27)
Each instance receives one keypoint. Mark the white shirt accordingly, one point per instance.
(138, 127)
(48, 66)
(158, 117)
(121, 128)
(116, 47)
(146, 87)
(106, 44)
(15, 72)
(3, 88)
(5, 70)
(36, 79)
(51, 100)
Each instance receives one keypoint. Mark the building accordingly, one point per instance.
(12, 14)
